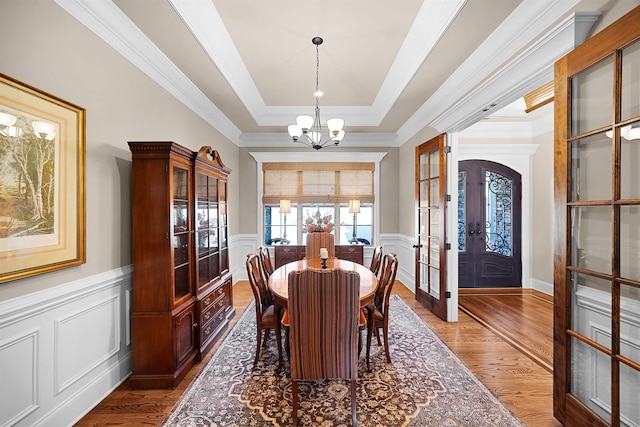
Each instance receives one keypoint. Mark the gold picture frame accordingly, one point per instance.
(42, 173)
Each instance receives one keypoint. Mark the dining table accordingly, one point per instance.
(278, 284)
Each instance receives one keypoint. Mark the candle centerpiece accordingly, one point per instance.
(324, 255)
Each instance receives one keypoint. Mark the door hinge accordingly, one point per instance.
(447, 149)
(447, 197)
(447, 246)
(447, 294)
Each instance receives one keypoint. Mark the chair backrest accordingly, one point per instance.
(324, 310)
(315, 241)
(386, 280)
(259, 287)
(376, 260)
(265, 258)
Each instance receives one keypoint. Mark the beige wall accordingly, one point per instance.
(541, 234)
(44, 46)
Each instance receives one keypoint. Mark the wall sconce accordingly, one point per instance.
(285, 208)
(354, 208)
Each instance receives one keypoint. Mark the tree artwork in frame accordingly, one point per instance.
(42, 161)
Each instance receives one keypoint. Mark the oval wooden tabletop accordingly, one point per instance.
(280, 288)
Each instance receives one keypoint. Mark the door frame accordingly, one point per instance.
(518, 158)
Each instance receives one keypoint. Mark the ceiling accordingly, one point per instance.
(390, 69)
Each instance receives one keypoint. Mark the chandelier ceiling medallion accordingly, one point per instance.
(308, 130)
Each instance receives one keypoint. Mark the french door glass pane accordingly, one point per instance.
(498, 213)
(591, 168)
(629, 330)
(630, 81)
(434, 195)
(630, 242)
(591, 379)
(424, 221)
(434, 285)
(630, 159)
(434, 158)
(434, 252)
(592, 94)
(591, 307)
(462, 220)
(424, 166)
(424, 193)
(434, 223)
(629, 392)
(591, 238)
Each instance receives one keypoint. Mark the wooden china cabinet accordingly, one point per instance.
(182, 292)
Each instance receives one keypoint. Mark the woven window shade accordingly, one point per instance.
(356, 183)
(316, 183)
(280, 183)
(312, 182)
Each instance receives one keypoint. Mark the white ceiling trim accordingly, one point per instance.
(524, 74)
(204, 22)
(284, 140)
(105, 19)
(521, 28)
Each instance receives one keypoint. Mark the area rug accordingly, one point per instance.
(425, 385)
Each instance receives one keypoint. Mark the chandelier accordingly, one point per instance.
(308, 130)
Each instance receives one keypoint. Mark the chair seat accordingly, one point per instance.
(268, 316)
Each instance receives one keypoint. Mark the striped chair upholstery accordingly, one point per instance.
(315, 241)
(324, 314)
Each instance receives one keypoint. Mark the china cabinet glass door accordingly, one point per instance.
(181, 235)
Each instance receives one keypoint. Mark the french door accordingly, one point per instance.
(597, 229)
(489, 225)
(431, 182)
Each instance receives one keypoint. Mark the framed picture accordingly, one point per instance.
(42, 170)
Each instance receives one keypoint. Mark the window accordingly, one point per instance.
(318, 192)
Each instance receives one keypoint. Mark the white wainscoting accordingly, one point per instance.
(64, 349)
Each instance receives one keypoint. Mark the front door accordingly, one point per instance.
(489, 225)
(431, 182)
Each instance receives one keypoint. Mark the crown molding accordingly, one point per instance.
(320, 156)
(205, 24)
(283, 140)
(105, 19)
(528, 71)
(520, 29)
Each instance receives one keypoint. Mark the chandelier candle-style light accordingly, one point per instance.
(308, 130)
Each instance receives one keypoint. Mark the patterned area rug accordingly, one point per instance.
(426, 385)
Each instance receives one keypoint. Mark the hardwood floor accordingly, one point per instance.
(523, 317)
(521, 383)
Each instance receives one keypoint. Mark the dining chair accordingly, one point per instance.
(376, 260)
(315, 241)
(323, 346)
(380, 308)
(265, 259)
(266, 316)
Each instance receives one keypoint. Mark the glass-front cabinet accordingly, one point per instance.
(181, 283)
(214, 304)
